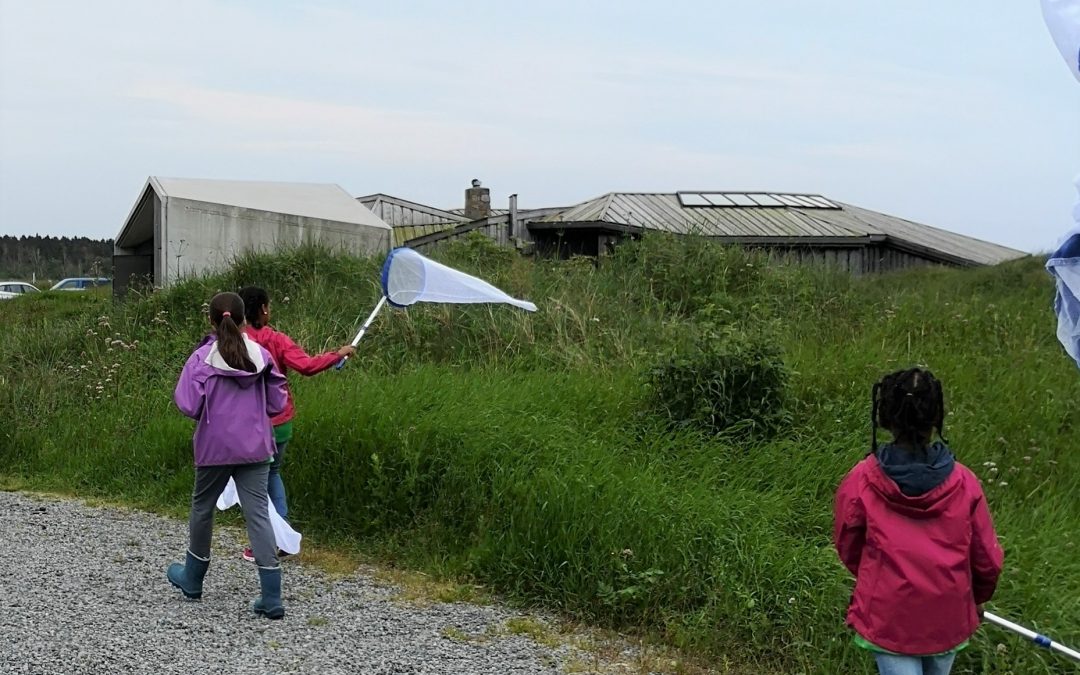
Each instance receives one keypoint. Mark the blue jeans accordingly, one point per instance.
(275, 487)
(889, 664)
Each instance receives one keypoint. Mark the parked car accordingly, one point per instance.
(80, 283)
(14, 289)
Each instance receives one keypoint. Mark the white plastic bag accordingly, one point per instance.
(287, 539)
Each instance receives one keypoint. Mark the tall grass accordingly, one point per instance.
(530, 452)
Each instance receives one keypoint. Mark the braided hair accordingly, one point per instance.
(909, 403)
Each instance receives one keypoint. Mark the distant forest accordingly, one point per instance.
(53, 258)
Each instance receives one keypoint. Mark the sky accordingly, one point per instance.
(960, 115)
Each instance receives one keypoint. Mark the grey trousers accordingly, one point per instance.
(250, 480)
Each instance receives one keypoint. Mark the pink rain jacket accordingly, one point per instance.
(921, 563)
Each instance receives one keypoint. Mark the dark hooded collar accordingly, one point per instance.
(915, 472)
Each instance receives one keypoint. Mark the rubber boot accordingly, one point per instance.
(189, 576)
(269, 605)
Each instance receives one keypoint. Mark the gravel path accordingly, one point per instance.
(83, 590)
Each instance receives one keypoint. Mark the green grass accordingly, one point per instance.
(527, 452)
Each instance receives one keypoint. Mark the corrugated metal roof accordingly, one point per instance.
(666, 212)
(961, 246)
(404, 213)
(310, 200)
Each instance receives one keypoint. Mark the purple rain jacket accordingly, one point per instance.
(232, 407)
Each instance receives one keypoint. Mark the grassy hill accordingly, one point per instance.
(656, 448)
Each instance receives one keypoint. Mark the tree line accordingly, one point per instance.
(27, 257)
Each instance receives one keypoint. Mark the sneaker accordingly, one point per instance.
(248, 555)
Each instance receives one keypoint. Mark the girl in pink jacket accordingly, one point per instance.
(912, 525)
(286, 355)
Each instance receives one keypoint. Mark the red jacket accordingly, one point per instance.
(287, 354)
(921, 563)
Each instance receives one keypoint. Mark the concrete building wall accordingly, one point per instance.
(200, 237)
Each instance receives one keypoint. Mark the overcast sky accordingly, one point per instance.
(960, 115)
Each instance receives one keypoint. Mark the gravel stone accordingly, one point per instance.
(83, 590)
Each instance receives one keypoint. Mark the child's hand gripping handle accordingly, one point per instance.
(348, 350)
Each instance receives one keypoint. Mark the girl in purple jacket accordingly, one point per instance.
(231, 387)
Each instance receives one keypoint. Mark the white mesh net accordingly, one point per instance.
(409, 277)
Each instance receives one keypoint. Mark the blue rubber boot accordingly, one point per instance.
(269, 605)
(189, 576)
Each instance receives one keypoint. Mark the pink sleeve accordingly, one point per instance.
(296, 358)
(987, 557)
(849, 523)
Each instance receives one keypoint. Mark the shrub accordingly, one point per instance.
(689, 273)
(723, 381)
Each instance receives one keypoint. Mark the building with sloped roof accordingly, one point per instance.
(182, 227)
(807, 227)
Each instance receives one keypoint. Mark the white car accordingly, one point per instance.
(80, 283)
(15, 289)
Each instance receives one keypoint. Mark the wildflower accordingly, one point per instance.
(1027, 458)
(1003, 483)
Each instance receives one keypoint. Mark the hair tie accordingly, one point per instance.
(225, 314)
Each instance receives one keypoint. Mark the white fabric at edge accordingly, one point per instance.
(287, 539)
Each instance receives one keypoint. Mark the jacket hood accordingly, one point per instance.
(916, 485)
(216, 362)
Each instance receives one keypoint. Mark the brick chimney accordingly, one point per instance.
(477, 201)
